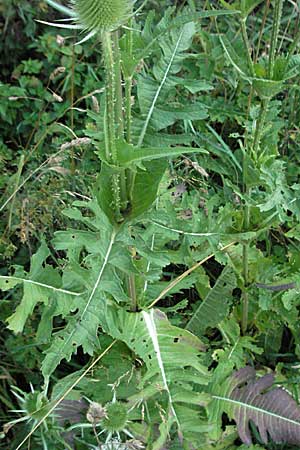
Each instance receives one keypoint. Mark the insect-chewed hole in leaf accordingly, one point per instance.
(226, 421)
(73, 236)
(132, 340)
(213, 365)
(73, 313)
(236, 293)
(173, 245)
(175, 340)
(149, 356)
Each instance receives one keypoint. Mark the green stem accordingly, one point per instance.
(260, 125)
(246, 246)
(247, 45)
(18, 176)
(132, 293)
(119, 118)
(118, 85)
(245, 304)
(128, 86)
(110, 120)
(130, 174)
(274, 37)
(110, 96)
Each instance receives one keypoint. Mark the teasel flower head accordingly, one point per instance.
(93, 16)
(102, 15)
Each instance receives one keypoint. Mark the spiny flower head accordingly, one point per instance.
(101, 15)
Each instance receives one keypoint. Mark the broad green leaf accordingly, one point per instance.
(166, 115)
(161, 345)
(103, 189)
(82, 327)
(191, 85)
(128, 154)
(214, 308)
(146, 184)
(265, 88)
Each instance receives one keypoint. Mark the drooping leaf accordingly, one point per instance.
(214, 308)
(41, 284)
(273, 411)
(146, 184)
(81, 328)
(128, 154)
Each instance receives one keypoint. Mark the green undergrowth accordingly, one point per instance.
(150, 267)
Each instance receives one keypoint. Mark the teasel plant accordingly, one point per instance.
(103, 19)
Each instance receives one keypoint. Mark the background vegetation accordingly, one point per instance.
(226, 98)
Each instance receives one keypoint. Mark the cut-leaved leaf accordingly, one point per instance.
(272, 410)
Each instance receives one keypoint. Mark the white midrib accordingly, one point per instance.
(256, 408)
(150, 112)
(150, 323)
(81, 318)
(36, 283)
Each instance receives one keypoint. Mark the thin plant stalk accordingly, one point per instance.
(267, 6)
(18, 176)
(246, 246)
(274, 37)
(247, 45)
(255, 149)
(260, 124)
